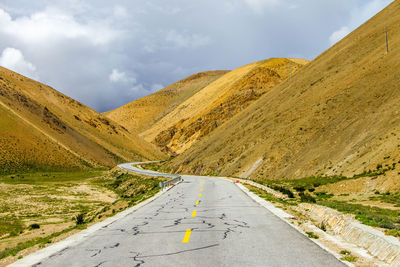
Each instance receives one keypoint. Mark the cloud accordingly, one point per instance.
(14, 60)
(53, 24)
(120, 76)
(120, 11)
(180, 40)
(258, 6)
(339, 35)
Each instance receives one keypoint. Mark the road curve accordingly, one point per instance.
(200, 222)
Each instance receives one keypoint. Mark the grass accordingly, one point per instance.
(345, 252)
(156, 166)
(393, 232)
(269, 197)
(30, 243)
(49, 177)
(312, 235)
(10, 225)
(305, 183)
(372, 216)
(392, 198)
(349, 258)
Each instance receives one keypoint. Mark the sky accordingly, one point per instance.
(108, 53)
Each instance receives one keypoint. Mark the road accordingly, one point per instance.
(200, 222)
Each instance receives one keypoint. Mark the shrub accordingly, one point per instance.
(34, 226)
(312, 235)
(283, 190)
(393, 232)
(323, 195)
(80, 219)
(304, 197)
(299, 188)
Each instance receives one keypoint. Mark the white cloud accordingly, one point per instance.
(258, 6)
(120, 11)
(53, 24)
(180, 40)
(120, 76)
(14, 60)
(339, 35)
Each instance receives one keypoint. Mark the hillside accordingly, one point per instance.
(140, 114)
(215, 104)
(42, 129)
(338, 115)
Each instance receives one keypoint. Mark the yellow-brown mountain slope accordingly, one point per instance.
(42, 129)
(215, 104)
(140, 114)
(339, 114)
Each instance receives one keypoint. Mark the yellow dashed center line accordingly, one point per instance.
(189, 231)
(187, 236)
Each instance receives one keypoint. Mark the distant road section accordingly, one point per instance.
(200, 222)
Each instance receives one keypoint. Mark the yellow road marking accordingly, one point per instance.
(187, 236)
(199, 195)
(194, 213)
(197, 202)
(201, 190)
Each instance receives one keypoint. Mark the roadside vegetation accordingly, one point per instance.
(374, 208)
(37, 209)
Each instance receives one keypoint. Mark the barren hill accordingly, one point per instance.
(42, 129)
(215, 104)
(140, 114)
(340, 114)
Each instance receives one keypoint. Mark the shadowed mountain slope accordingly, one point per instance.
(218, 102)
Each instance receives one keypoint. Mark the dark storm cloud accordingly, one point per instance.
(107, 53)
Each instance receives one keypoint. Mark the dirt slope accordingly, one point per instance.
(215, 104)
(140, 114)
(339, 114)
(42, 129)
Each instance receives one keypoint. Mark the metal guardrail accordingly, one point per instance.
(170, 182)
(173, 181)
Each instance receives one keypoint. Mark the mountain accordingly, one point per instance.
(140, 114)
(213, 105)
(42, 129)
(339, 114)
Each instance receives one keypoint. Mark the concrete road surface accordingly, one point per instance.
(200, 222)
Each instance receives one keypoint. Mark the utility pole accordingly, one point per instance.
(387, 42)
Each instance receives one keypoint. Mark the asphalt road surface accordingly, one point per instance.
(200, 222)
